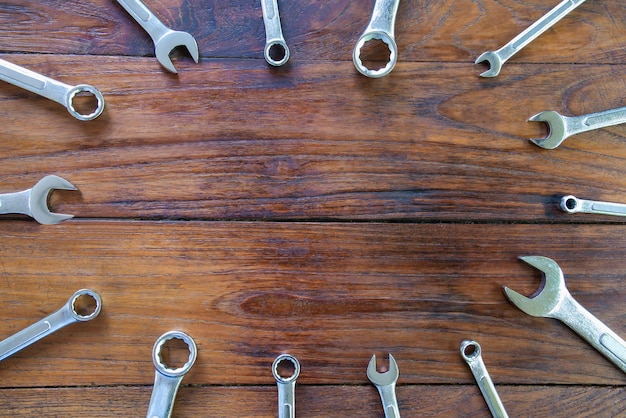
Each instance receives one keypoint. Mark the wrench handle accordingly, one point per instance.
(34, 82)
(144, 16)
(599, 120)
(18, 202)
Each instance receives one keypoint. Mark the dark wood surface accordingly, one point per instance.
(310, 210)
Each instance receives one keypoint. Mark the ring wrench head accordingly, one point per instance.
(388, 40)
(79, 90)
(161, 367)
(85, 305)
(570, 204)
(276, 53)
(38, 199)
(557, 131)
(279, 360)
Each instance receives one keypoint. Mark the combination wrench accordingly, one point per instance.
(49, 88)
(84, 305)
(553, 300)
(572, 204)
(276, 51)
(286, 386)
(386, 385)
(497, 58)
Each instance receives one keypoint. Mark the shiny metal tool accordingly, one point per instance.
(381, 27)
(471, 353)
(164, 38)
(572, 204)
(386, 385)
(497, 58)
(49, 88)
(553, 300)
(34, 202)
(276, 51)
(84, 305)
(167, 380)
(562, 127)
(286, 386)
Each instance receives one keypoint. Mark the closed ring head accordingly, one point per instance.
(84, 88)
(393, 53)
(296, 368)
(85, 305)
(276, 53)
(158, 361)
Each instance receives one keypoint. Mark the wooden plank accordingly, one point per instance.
(330, 294)
(322, 30)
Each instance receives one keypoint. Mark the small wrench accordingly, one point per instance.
(381, 27)
(471, 353)
(34, 202)
(386, 385)
(71, 312)
(276, 51)
(562, 127)
(164, 38)
(167, 380)
(497, 58)
(572, 204)
(286, 386)
(51, 89)
(553, 300)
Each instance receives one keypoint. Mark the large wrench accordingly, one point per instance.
(164, 38)
(51, 89)
(555, 301)
(286, 386)
(562, 127)
(572, 204)
(381, 27)
(74, 310)
(276, 51)
(386, 385)
(497, 58)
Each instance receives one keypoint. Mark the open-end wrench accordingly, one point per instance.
(562, 127)
(165, 39)
(572, 204)
(276, 51)
(49, 88)
(167, 380)
(553, 300)
(386, 385)
(471, 353)
(34, 202)
(497, 58)
(381, 27)
(76, 309)
(286, 386)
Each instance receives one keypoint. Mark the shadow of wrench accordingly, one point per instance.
(553, 300)
(34, 202)
(386, 385)
(497, 58)
(562, 127)
(165, 39)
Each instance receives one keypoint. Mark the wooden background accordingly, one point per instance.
(310, 210)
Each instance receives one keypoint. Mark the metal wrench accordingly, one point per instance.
(276, 51)
(51, 89)
(286, 386)
(381, 27)
(497, 58)
(164, 38)
(167, 380)
(562, 127)
(471, 353)
(34, 202)
(572, 204)
(71, 312)
(386, 385)
(553, 300)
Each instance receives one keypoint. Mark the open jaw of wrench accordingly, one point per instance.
(496, 59)
(167, 380)
(562, 127)
(572, 204)
(286, 385)
(553, 300)
(34, 202)
(471, 353)
(54, 90)
(386, 385)
(276, 51)
(381, 27)
(84, 305)
(165, 39)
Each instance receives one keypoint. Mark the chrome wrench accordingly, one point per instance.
(562, 127)
(497, 58)
(74, 310)
(386, 385)
(554, 301)
(51, 89)
(381, 27)
(572, 204)
(167, 380)
(471, 353)
(286, 386)
(276, 51)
